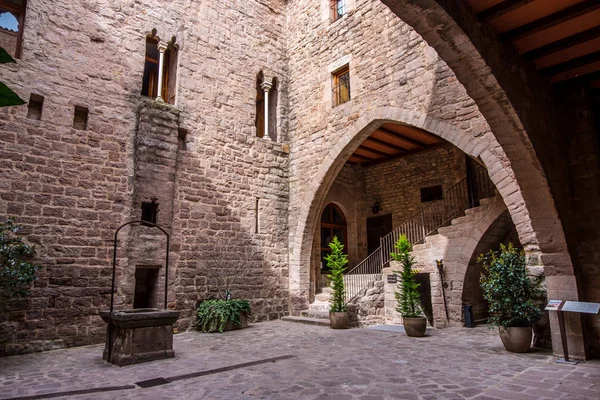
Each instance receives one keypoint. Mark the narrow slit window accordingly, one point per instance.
(80, 118)
(182, 139)
(431, 193)
(341, 85)
(338, 9)
(273, 98)
(36, 104)
(12, 22)
(150, 211)
(259, 123)
(256, 221)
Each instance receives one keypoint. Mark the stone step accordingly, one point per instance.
(322, 314)
(323, 296)
(306, 320)
(319, 306)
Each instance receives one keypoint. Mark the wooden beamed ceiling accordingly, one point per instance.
(391, 141)
(560, 37)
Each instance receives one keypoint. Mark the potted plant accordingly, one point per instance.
(510, 295)
(408, 298)
(336, 262)
(222, 315)
(221, 311)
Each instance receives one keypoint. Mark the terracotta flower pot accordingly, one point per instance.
(339, 320)
(516, 339)
(415, 327)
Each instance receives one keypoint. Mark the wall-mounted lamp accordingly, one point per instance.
(376, 207)
(440, 265)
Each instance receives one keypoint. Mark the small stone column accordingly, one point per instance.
(266, 86)
(162, 47)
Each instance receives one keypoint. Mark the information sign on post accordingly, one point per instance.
(561, 306)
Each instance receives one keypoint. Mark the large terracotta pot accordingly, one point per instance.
(516, 339)
(415, 327)
(339, 320)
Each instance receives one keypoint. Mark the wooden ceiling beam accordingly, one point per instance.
(386, 144)
(375, 151)
(500, 9)
(571, 64)
(551, 20)
(562, 44)
(360, 158)
(396, 156)
(401, 137)
(581, 79)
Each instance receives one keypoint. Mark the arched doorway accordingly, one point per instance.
(333, 224)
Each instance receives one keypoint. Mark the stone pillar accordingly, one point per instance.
(266, 86)
(162, 47)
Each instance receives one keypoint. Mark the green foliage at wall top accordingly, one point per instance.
(7, 96)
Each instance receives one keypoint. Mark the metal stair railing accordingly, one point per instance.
(465, 194)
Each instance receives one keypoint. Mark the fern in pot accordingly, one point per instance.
(408, 298)
(336, 261)
(511, 295)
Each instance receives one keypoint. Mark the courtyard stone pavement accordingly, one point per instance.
(284, 360)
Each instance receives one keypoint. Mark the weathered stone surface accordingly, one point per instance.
(354, 364)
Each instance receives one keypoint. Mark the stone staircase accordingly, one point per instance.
(458, 228)
(369, 301)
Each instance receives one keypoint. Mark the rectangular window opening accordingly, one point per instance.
(34, 109)
(150, 212)
(431, 193)
(341, 85)
(146, 282)
(80, 118)
(338, 9)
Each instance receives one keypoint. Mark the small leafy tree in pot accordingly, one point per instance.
(17, 272)
(336, 262)
(408, 298)
(510, 294)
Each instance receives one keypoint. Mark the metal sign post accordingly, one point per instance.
(561, 306)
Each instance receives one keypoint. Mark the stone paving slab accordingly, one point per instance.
(321, 363)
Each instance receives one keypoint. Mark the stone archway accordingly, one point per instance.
(485, 147)
(518, 108)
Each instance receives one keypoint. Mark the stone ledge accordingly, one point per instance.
(306, 320)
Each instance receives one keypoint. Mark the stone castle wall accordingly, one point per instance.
(72, 188)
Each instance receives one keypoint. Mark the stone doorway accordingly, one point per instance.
(377, 227)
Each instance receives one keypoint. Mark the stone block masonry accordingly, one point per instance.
(71, 188)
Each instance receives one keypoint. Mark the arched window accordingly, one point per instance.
(333, 223)
(12, 21)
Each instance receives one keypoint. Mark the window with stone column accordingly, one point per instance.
(150, 81)
(12, 23)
